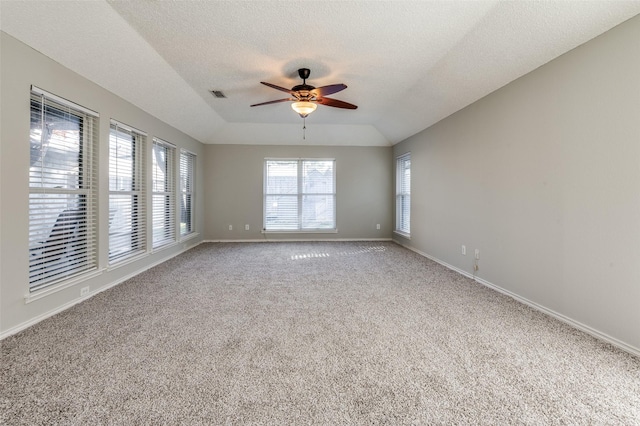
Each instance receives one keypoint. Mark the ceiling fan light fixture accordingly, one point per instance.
(304, 108)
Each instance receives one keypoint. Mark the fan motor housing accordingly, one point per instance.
(304, 73)
(302, 87)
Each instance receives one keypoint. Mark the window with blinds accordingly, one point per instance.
(62, 190)
(127, 212)
(299, 195)
(403, 194)
(163, 193)
(187, 179)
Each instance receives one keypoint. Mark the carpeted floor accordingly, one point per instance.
(310, 333)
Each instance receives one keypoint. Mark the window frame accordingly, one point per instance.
(403, 195)
(187, 192)
(300, 194)
(137, 221)
(62, 242)
(168, 213)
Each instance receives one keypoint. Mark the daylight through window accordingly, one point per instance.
(403, 194)
(127, 213)
(62, 190)
(299, 195)
(187, 179)
(162, 172)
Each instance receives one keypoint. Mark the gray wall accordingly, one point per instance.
(543, 176)
(234, 177)
(22, 67)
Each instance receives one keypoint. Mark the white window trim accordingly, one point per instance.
(402, 234)
(89, 166)
(128, 128)
(192, 192)
(299, 194)
(171, 169)
(140, 163)
(398, 213)
(64, 101)
(56, 287)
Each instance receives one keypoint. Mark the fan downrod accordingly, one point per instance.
(304, 87)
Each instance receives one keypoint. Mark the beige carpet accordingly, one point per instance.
(310, 333)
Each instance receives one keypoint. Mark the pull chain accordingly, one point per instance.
(304, 128)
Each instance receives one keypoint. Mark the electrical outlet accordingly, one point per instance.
(477, 254)
(246, 227)
(230, 227)
(377, 226)
(464, 250)
(84, 291)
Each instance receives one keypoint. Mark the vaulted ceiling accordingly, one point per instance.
(407, 64)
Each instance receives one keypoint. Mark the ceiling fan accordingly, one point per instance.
(307, 97)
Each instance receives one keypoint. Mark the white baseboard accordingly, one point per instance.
(33, 321)
(573, 323)
(576, 324)
(298, 240)
(37, 319)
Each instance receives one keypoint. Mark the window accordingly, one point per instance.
(127, 213)
(403, 194)
(187, 178)
(62, 190)
(163, 198)
(299, 195)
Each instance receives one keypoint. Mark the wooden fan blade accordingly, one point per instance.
(336, 103)
(273, 102)
(328, 90)
(273, 86)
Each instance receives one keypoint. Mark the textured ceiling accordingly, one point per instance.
(407, 64)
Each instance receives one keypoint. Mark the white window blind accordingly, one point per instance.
(403, 193)
(187, 179)
(62, 190)
(163, 198)
(127, 212)
(299, 195)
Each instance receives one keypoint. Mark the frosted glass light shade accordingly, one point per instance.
(304, 108)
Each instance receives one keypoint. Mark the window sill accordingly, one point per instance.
(54, 288)
(133, 257)
(164, 246)
(187, 237)
(402, 234)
